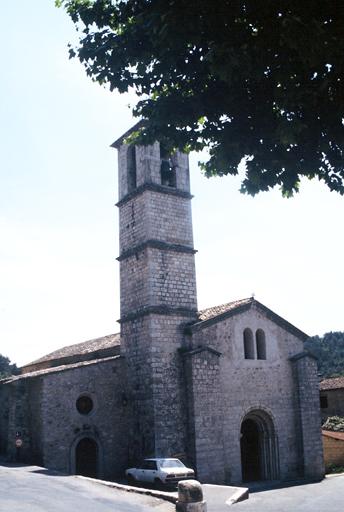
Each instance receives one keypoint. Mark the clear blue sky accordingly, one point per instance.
(58, 224)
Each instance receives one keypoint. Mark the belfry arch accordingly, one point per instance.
(258, 447)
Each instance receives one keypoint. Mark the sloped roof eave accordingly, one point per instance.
(242, 307)
(118, 142)
(88, 347)
(59, 369)
(338, 435)
(201, 324)
(332, 384)
(199, 350)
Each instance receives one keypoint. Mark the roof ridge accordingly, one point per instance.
(67, 350)
(332, 383)
(214, 311)
(237, 301)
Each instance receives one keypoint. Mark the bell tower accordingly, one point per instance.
(157, 288)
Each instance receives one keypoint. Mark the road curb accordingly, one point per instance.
(241, 494)
(163, 495)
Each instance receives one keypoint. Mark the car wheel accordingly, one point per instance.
(158, 483)
(131, 480)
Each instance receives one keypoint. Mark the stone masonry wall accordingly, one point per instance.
(107, 423)
(252, 384)
(158, 296)
(155, 216)
(35, 393)
(205, 415)
(172, 279)
(135, 345)
(134, 282)
(333, 451)
(306, 370)
(19, 421)
(4, 414)
(153, 277)
(155, 380)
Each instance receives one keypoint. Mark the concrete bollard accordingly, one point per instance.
(190, 497)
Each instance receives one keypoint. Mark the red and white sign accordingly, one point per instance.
(19, 443)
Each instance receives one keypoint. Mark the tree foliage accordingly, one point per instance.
(6, 368)
(334, 423)
(329, 350)
(247, 79)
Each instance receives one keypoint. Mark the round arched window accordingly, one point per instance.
(84, 404)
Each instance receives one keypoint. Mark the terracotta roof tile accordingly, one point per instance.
(334, 435)
(334, 383)
(86, 347)
(218, 313)
(57, 369)
(207, 314)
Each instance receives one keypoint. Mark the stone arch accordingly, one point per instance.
(248, 344)
(260, 344)
(167, 168)
(131, 168)
(259, 447)
(86, 456)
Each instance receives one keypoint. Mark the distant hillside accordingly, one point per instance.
(329, 350)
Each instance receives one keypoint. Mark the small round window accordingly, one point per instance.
(84, 404)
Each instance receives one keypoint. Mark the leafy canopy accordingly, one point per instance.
(334, 423)
(259, 80)
(6, 368)
(329, 349)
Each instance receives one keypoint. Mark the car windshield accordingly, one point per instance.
(171, 463)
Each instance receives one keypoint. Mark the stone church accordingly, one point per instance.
(229, 390)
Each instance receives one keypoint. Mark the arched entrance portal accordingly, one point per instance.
(259, 448)
(86, 457)
(249, 446)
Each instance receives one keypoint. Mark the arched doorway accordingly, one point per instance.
(259, 447)
(249, 446)
(86, 457)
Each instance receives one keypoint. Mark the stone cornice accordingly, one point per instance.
(198, 350)
(120, 141)
(301, 355)
(154, 187)
(156, 244)
(158, 310)
(61, 368)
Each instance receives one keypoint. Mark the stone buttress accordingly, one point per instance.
(306, 378)
(158, 291)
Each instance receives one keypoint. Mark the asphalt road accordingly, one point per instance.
(34, 489)
(325, 496)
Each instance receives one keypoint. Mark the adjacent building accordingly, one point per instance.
(332, 397)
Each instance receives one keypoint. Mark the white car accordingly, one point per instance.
(159, 471)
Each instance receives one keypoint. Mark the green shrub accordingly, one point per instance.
(334, 423)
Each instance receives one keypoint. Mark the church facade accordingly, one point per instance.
(229, 390)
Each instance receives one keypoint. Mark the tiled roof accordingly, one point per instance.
(207, 314)
(334, 435)
(334, 383)
(86, 347)
(57, 369)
